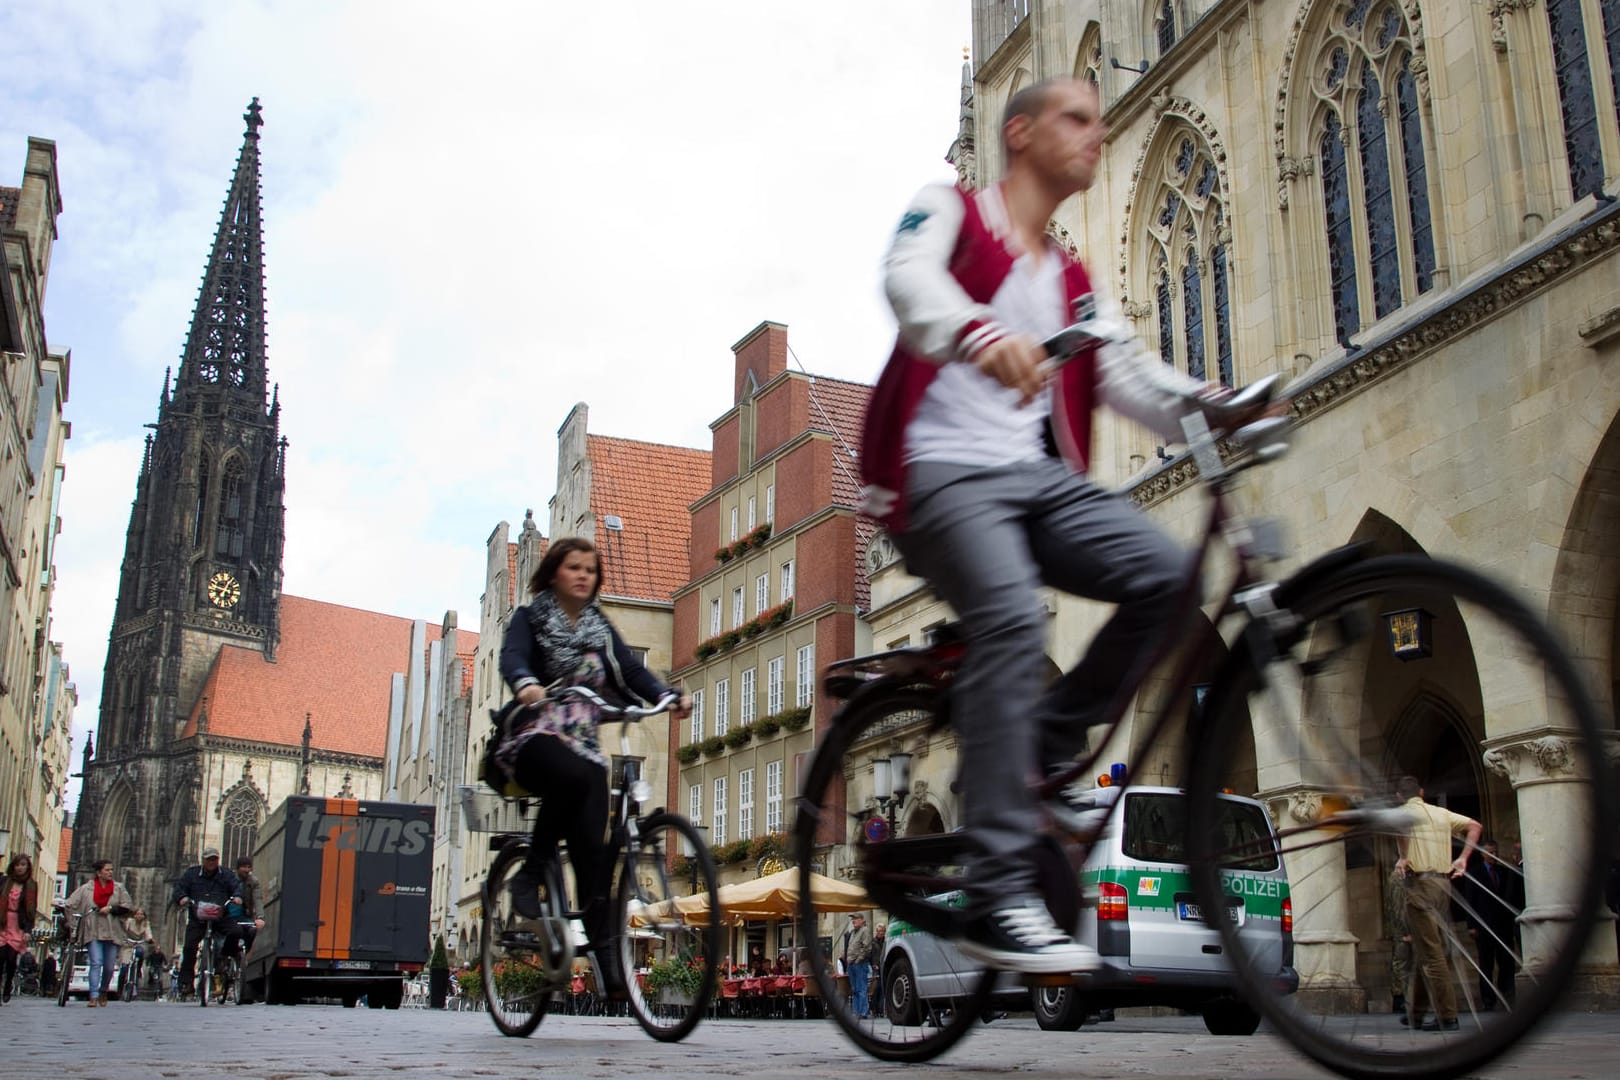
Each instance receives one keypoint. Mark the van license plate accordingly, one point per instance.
(363, 965)
(1195, 912)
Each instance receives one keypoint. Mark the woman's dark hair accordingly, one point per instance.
(99, 863)
(11, 867)
(546, 572)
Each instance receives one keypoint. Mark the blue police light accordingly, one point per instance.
(876, 830)
(1116, 774)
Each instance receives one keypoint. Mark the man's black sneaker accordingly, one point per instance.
(525, 889)
(1022, 937)
(1433, 1024)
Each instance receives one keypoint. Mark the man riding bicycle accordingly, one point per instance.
(202, 884)
(974, 455)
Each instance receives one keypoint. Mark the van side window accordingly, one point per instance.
(1156, 825)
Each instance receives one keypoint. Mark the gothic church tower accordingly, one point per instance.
(202, 561)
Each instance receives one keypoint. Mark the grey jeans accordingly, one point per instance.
(987, 539)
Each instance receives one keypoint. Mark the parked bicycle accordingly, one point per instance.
(527, 963)
(1294, 668)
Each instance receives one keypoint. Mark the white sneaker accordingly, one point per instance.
(1022, 937)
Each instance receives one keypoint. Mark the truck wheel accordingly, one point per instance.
(389, 997)
(1059, 1008)
(350, 1000)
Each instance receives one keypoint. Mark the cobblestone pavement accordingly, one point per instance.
(145, 1040)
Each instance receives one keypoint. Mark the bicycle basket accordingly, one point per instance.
(484, 811)
(207, 912)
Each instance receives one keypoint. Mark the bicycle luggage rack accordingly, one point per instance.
(487, 812)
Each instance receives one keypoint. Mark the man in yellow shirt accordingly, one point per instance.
(1427, 863)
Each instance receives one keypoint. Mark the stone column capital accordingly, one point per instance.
(1539, 756)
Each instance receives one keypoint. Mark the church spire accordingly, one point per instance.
(226, 344)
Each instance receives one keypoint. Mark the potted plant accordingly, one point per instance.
(471, 983)
(739, 736)
(714, 745)
(687, 754)
(766, 726)
(676, 981)
(438, 975)
(794, 719)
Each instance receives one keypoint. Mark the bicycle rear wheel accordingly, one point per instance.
(1492, 718)
(520, 958)
(670, 965)
(907, 1018)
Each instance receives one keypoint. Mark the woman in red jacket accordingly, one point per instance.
(19, 897)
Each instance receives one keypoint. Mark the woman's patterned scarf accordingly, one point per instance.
(563, 641)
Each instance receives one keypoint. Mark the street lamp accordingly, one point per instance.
(690, 850)
(891, 783)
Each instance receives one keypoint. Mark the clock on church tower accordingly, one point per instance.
(224, 590)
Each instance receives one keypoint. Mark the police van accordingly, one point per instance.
(1141, 913)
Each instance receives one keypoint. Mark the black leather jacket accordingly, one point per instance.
(202, 888)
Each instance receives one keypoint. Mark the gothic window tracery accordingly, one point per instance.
(1186, 247)
(202, 502)
(1088, 63)
(1369, 140)
(241, 825)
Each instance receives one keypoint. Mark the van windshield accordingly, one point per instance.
(1156, 831)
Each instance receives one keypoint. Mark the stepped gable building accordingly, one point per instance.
(777, 589)
(1410, 211)
(220, 695)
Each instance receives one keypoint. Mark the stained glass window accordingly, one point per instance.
(1389, 25)
(1184, 158)
(1167, 322)
(1192, 299)
(1417, 183)
(1341, 249)
(1356, 17)
(1338, 64)
(1574, 78)
(1167, 26)
(1206, 178)
(1223, 315)
(1380, 208)
(1167, 216)
(228, 532)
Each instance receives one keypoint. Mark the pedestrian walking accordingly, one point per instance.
(101, 904)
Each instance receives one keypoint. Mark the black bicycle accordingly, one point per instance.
(1297, 672)
(67, 928)
(661, 858)
(212, 967)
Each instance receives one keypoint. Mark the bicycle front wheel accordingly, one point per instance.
(896, 1020)
(670, 957)
(205, 972)
(1402, 666)
(518, 955)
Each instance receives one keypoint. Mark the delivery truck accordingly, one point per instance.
(346, 887)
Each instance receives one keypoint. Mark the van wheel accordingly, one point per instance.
(1059, 1008)
(1228, 1017)
(900, 994)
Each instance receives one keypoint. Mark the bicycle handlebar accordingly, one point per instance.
(614, 713)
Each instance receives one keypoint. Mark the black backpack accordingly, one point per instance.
(489, 770)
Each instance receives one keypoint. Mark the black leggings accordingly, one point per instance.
(8, 969)
(573, 807)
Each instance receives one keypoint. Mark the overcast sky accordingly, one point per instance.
(475, 216)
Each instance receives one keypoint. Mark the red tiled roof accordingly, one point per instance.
(335, 663)
(650, 488)
(64, 854)
(8, 206)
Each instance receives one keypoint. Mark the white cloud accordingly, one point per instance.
(476, 216)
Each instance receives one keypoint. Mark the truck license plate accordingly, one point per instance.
(354, 965)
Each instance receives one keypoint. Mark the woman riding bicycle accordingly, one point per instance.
(551, 748)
